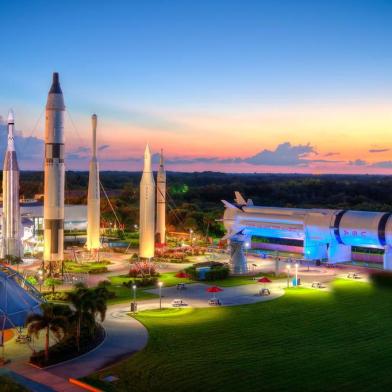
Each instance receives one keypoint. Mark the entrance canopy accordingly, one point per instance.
(18, 298)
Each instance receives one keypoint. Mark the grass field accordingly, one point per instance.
(125, 294)
(91, 268)
(307, 340)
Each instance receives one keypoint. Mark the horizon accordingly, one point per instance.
(223, 86)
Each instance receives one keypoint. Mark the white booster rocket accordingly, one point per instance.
(147, 209)
(11, 225)
(93, 197)
(54, 177)
(161, 203)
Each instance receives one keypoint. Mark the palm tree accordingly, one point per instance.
(88, 304)
(79, 303)
(48, 320)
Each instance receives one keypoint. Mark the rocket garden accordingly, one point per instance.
(181, 311)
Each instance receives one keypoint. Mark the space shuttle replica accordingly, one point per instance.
(11, 224)
(147, 210)
(93, 198)
(161, 203)
(326, 234)
(54, 178)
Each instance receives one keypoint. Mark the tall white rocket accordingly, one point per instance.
(161, 203)
(54, 177)
(93, 197)
(11, 225)
(147, 209)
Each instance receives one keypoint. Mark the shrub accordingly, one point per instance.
(192, 272)
(143, 282)
(217, 273)
(382, 279)
(65, 349)
(59, 296)
(142, 269)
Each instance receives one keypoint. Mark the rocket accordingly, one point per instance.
(147, 209)
(93, 197)
(161, 203)
(11, 225)
(54, 178)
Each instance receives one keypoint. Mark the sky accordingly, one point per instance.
(235, 86)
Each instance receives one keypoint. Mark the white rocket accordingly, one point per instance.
(54, 177)
(161, 203)
(11, 225)
(147, 209)
(93, 197)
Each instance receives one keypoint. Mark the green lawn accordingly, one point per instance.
(125, 294)
(168, 279)
(307, 340)
(89, 267)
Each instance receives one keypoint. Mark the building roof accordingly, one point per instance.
(71, 212)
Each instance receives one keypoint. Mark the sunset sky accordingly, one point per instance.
(236, 86)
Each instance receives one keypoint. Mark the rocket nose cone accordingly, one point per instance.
(10, 117)
(55, 88)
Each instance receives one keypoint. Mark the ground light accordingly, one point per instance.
(160, 284)
(288, 275)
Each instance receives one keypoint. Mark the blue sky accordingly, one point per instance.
(149, 64)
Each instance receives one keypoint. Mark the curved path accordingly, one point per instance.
(124, 336)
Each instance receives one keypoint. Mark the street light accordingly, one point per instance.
(134, 298)
(160, 284)
(288, 274)
(40, 279)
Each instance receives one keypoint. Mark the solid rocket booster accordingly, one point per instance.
(147, 209)
(161, 203)
(12, 244)
(54, 177)
(93, 198)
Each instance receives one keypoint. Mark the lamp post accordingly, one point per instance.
(40, 279)
(296, 274)
(134, 298)
(288, 275)
(160, 284)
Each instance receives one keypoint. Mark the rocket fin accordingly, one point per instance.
(239, 199)
(229, 205)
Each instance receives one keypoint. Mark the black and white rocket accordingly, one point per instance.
(147, 210)
(161, 203)
(93, 197)
(54, 178)
(11, 223)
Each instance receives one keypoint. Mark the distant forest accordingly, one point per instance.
(195, 198)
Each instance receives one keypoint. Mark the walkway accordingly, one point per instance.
(124, 336)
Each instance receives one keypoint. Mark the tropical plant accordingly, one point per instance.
(52, 282)
(88, 304)
(51, 319)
